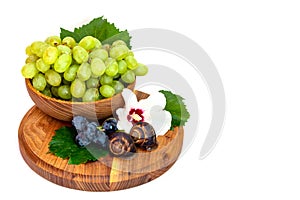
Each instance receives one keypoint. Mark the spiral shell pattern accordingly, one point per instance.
(121, 144)
(144, 135)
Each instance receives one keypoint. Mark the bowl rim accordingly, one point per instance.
(31, 88)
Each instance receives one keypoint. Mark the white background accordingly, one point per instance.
(255, 46)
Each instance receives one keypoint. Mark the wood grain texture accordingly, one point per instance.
(108, 174)
(65, 110)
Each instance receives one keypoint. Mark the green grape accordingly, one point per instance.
(52, 77)
(77, 88)
(141, 70)
(71, 72)
(39, 82)
(112, 70)
(111, 67)
(62, 63)
(48, 86)
(53, 40)
(76, 99)
(122, 67)
(131, 62)
(88, 43)
(130, 53)
(106, 80)
(93, 76)
(47, 92)
(91, 94)
(80, 55)
(128, 77)
(118, 42)
(107, 91)
(31, 58)
(119, 52)
(28, 50)
(29, 70)
(97, 66)
(99, 53)
(100, 96)
(118, 86)
(63, 49)
(69, 41)
(84, 71)
(50, 55)
(106, 47)
(42, 66)
(64, 92)
(93, 83)
(54, 91)
(97, 43)
(65, 82)
(117, 76)
(38, 48)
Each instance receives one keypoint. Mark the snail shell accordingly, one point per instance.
(144, 135)
(121, 144)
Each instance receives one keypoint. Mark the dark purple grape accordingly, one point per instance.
(81, 139)
(91, 130)
(110, 125)
(88, 132)
(100, 139)
(80, 123)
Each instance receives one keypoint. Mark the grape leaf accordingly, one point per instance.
(63, 145)
(100, 28)
(177, 108)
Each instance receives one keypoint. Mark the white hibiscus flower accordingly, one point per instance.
(149, 110)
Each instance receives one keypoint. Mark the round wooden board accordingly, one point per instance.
(108, 173)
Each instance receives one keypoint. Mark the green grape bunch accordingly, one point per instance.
(85, 71)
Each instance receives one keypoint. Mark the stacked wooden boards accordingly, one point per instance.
(108, 174)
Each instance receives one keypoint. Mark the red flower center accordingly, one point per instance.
(135, 115)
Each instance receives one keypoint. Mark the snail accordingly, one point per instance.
(144, 135)
(121, 144)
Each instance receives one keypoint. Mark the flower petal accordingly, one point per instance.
(129, 98)
(156, 100)
(153, 111)
(161, 121)
(123, 123)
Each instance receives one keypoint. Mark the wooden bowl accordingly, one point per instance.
(65, 110)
